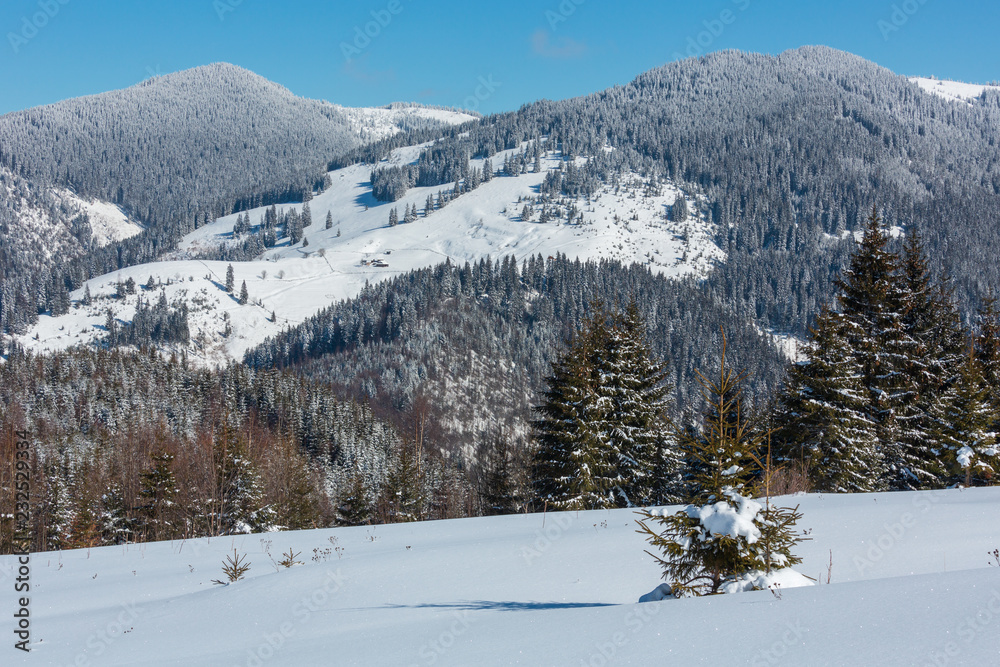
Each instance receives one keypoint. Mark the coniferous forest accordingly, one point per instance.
(894, 393)
(854, 212)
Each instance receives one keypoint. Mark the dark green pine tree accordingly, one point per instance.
(158, 493)
(702, 551)
(933, 340)
(964, 417)
(988, 355)
(329, 219)
(354, 504)
(118, 525)
(872, 301)
(498, 483)
(821, 415)
(679, 209)
(230, 279)
(238, 504)
(403, 495)
(572, 468)
(632, 384)
(244, 294)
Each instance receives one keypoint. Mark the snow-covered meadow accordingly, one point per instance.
(910, 583)
(624, 221)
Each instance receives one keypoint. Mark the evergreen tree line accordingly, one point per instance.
(130, 447)
(475, 341)
(157, 324)
(895, 393)
(840, 132)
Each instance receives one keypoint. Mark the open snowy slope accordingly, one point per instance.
(955, 91)
(626, 221)
(54, 235)
(374, 123)
(909, 584)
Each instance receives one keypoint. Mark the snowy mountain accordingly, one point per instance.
(954, 91)
(626, 221)
(149, 162)
(181, 144)
(902, 579)
(775, 231)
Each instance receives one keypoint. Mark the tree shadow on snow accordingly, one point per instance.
(494, 605)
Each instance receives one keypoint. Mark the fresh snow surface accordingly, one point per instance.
(722, 519)
(910, 584)
(374, 123)
(620, 222)
(954, 91)
(791, 347)
(108, 222)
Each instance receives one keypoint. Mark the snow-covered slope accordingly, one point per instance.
(108, 223)
(954, 91)
(374, 123)
(909, 584)
(41, 220)
(626, 222)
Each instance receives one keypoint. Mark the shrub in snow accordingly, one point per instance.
(730, 545)
(724, 541)
(234, 567)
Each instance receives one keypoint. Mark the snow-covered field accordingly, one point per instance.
(374, 123)
(910, 584)
(955, 91)
(626, 222)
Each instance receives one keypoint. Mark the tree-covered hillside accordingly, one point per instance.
(791, 152)
(472, 343)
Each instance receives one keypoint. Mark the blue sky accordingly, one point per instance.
(494, 56)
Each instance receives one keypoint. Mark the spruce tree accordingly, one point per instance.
(329, 219)
(230, 279)
(724, 540)
(988, 355)
(498, 484)
(679, 209)
(158, 493)
(872, 301)
(402, 496)
(933, 343)
(354, 504)
(244, 294)
(634, 386)
(964, 417)
(117, 523)
(603, 438)
(238, 503)
(821, 415)
(572, 468)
